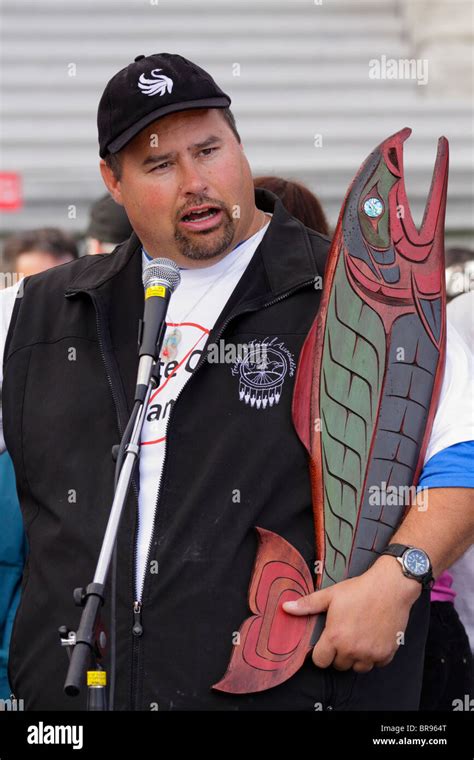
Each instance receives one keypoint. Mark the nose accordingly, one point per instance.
(192, 180)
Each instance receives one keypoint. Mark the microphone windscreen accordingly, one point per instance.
(164, 270)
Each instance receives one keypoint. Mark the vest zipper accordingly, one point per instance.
(137, 629)
(138, 604)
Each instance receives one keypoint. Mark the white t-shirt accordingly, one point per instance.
(193, 310)
(461, 314)
(453, 423)
(454, 419)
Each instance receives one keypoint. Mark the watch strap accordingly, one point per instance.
(396, 550)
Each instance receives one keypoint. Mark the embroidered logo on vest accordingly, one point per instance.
(262, 371)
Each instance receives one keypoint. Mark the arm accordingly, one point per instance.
(445, 530)
(367, 614)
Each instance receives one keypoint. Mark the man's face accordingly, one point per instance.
(181, 161)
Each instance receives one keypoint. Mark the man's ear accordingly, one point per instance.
(111, 182)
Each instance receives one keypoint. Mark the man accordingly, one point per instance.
(38, 250)
(108, 226)
(217, 458)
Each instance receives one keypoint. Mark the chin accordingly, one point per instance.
(202, 253)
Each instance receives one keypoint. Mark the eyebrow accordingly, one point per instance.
(155, 159)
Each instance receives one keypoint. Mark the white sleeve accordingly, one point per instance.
(7, 302)
(454, 419)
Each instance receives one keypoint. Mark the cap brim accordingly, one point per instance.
(189, 105)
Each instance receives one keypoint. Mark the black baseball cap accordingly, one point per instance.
(150, 87)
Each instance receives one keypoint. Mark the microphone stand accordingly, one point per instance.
(86, 646)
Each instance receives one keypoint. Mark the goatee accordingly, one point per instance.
(197, 248)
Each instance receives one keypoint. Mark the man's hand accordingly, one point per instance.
(365, 617)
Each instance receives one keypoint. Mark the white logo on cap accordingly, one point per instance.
(157, 86)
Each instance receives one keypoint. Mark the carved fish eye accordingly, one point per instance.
(373, 207)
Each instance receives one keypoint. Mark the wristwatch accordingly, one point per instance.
(415, 563)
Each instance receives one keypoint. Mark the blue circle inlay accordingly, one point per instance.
(373, 207)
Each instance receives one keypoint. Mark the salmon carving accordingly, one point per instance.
(366, 390)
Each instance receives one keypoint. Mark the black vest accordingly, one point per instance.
(69, 375)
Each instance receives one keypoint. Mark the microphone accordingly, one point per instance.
(161, 277)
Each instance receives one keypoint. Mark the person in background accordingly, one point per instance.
(298, 200)
(459, 272)
(461, 311)
(108, 226)
(448, 667)
(35, 251)
(13, 550)
(461, 314)
(449, 670)
(26, 253)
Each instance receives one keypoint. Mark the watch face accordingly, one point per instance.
(416, 562)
